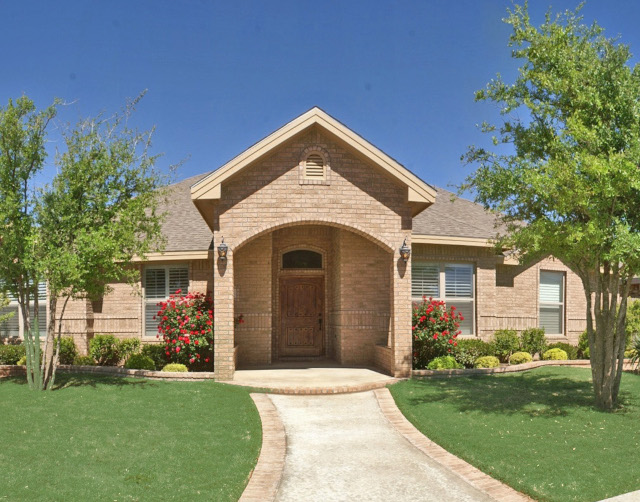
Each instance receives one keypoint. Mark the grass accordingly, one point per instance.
(537, 431)
(120, 439)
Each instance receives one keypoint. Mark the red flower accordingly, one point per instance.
(455, 344)
(178, 291)
(206, 360)
(209, 323)
(177, 349)
(450, 340)
(196, 342)
(168, 353)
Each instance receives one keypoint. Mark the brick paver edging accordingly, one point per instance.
(314, 391)
(475, 477)
(580, 363)
(10, 370)
(265, 479)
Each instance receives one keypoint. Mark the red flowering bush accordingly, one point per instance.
(186, 327)
(435, 330)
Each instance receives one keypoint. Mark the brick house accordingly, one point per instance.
(314, 217)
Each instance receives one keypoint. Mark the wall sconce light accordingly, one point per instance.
(405, 251)
(222, 250)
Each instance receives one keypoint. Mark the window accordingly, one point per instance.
(301, 258)
(159, 283)
(551, 316)
(450, 282)
(14, 326)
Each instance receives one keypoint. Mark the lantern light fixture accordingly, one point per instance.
(405, 251)
(222, 250)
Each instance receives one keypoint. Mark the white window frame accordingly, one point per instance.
(442, 288)
(560, 304)
(43, 303)
(166, 287)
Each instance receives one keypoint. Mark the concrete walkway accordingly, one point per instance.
(342, 448)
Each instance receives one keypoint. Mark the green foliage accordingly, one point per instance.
(4, 301)
(571, 350)
(11, 354)
(435, 330)
(487, 362)
(83, 361)
(181, 368)
(632, 322)
(533, 341)
(520, 358)
(444, 363)
(630, 353)
(107, 350)
(555, 355)
(470, 349)
(570, 173)
(157, 353)
(68, 350)
(635, 358)
(506, 342)
(583, 346)
(22, 361)
(140, 362)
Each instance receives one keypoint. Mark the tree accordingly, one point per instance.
(4, 301)
(82, 230)
(22, 154)
(570, 185)
(99, 212)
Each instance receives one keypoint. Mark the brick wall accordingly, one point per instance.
(507, 295)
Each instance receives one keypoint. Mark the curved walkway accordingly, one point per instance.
(342, 448)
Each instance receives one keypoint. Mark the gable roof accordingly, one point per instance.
(456, 218)
(209, 188)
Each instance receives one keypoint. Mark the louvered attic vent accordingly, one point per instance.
(314, 167)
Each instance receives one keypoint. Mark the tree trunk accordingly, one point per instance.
(606, 339)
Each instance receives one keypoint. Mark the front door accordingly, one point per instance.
(301, 316)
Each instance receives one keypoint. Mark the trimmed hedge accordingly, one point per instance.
(468, 350)
(533, 341)
(506, 342)
(175, 367)
(157, 353)
(555, 355)
(84, 361)
(520, 358)
(140, 362)
(571, 350)
(444, 363)
(487, 362)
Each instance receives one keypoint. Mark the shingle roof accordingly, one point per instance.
(184, 228)
(455, 218)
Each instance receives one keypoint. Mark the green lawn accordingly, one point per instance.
(537, 431)
(117, 439)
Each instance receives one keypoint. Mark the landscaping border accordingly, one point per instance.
(475, 477)
(12, 370)
(266, 477)
(579, 363)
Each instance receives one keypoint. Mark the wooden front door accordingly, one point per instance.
(301, 316)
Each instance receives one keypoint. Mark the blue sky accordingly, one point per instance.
(222, 75)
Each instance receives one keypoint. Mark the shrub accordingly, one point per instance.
(22, 361)
(444, 363)
(68, 350)
(470, 349)
(487, 362)
(140, 362)
(186, 326)
(107, 350)
(84, 361)
(435, 330)
(11, 354)
(555, 355)
(571, 350)
(583, 346)
(181, 368)
(506, 342)
(128, 347)
(520, 358)
(533, 341)
(157, 354)
(630, 354)
(632, 323)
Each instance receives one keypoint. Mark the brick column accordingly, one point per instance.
(223, 304)
(401, 345)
